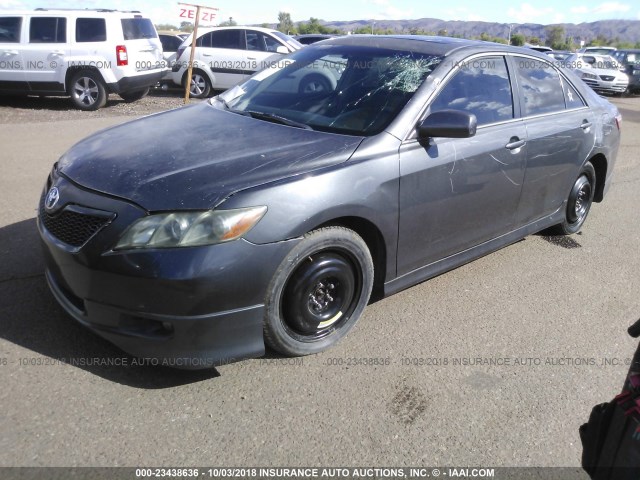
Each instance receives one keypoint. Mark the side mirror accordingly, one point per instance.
(448, 124)
(282, 49)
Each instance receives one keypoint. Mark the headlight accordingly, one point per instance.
(590, 76)
(190, 229)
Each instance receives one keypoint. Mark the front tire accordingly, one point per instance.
(87, 90)
(200, 84)
(579, 201)
(318, 292)
(314, 83)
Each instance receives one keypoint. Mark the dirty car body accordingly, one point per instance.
(278, 215)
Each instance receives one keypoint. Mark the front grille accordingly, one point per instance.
(73, 227)
(607, 78)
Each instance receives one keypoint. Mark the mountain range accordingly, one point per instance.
(622, 30)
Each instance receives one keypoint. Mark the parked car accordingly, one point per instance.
(559, 55)
(598, 50)
(539, 48)
(600, 72)
(84, 54)
(227, 55)
(276, 216)
(309, 38)
(171, 42)
(629, 61)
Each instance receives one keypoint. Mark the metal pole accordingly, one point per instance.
(187, 86)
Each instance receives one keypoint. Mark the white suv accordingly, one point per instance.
(85, 54)
(225, 56)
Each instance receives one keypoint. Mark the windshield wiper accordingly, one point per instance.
(272, 117)
(227, 107)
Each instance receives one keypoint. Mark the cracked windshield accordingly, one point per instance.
(356, 91)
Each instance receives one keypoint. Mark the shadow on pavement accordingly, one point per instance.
(31, 318)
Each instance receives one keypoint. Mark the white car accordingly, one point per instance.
(601, 72)
(224, 56)
(85, 54)
(171, 42)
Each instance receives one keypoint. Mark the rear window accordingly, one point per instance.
(91, 30)
(137, 28)
(48, 30)
(10, 29)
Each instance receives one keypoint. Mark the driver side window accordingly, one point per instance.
(482, 87)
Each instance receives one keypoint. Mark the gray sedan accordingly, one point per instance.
(280, 213)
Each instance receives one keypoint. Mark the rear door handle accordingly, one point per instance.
(515, 143)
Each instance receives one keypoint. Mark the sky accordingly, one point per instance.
(254, 12)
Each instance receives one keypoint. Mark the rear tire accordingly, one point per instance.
(134, 95)
(579, 202)
(87, 90)
(318, 292)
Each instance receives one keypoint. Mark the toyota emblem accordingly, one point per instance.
(52, 198)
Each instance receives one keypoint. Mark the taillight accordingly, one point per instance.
(121, 56)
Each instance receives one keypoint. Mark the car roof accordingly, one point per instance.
(69, 12)
(204, 30)
(433, 45)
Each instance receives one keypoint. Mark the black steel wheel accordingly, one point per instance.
(579, 201)
(318, 293)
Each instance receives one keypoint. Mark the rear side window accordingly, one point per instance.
(481, 87)
(228, 39)
(10, 29)
(138, 28)
(48, 30)
(541, 87)
(91, 30)
(571, 96)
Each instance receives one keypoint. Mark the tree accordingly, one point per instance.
(285, 25)
(517, 39)
(599, 41)
(228, 23)
(443, 33)
(166, 26)
(186, 27)
(555, 37)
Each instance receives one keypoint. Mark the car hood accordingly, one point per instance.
(195, 157)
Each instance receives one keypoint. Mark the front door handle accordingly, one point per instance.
(586, 125)
(515, 143)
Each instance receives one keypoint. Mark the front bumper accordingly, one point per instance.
(601, 86)
(185, 307)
